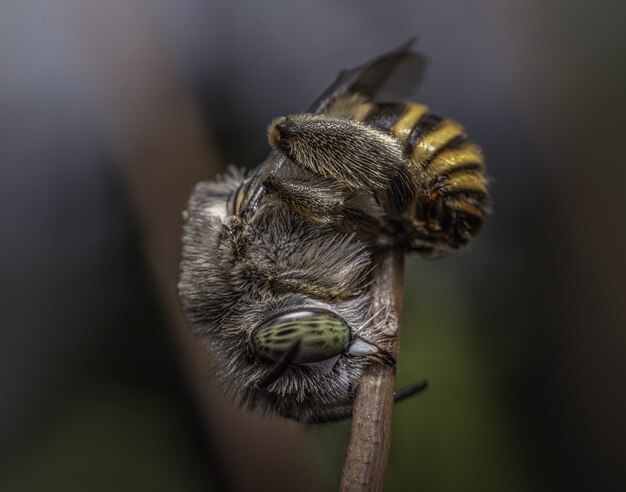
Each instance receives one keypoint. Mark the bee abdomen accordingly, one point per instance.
(457, 171)
(456, 195)
(422, 133)
(447, 175)
(383, 116)
(450, 172)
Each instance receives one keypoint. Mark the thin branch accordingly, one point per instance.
(370, 440)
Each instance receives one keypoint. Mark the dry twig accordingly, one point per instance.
(370, 438)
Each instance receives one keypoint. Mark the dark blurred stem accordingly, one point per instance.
(161, 143)
(370, 439)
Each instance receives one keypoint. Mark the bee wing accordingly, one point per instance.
(399, 71)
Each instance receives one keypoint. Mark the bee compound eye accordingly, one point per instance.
(322, 335)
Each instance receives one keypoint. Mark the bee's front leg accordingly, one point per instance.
(326, 202)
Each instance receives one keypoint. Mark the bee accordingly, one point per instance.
(276, 265)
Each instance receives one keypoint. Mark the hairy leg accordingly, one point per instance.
(358, 156)
(326, 202)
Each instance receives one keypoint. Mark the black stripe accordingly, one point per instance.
(283, 332)
(425, 124)
(466, 168)
(456, 142)
(467, 225)
(385, 115)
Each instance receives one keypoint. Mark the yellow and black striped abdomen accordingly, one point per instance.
(452, 174)
(448, 170)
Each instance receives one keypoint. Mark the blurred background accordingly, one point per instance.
(111, 111)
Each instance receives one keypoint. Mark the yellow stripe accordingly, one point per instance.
(466, 182)
(430, 143)
(408, 120)
(448, 159)
(464, 205)
(360, 111)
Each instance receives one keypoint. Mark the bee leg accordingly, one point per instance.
(281, 366)
(317, 200)
(360, 157)
(345, 412)
(327, 202)
(410, 390)
(328, 416)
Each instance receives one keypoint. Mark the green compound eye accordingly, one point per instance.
(322, 334)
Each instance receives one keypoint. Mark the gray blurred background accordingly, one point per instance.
(110, 111)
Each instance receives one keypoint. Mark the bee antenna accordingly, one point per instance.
(281, 366)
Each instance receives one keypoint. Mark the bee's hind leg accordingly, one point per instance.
(360, 157)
